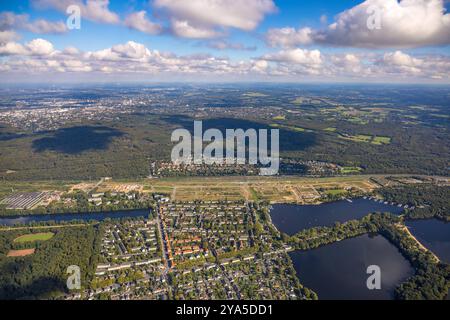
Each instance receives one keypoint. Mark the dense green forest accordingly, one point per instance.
(125, 148)
(43, 274)
(430, 201)
(319, 236)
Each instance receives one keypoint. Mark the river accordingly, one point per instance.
(96, 216)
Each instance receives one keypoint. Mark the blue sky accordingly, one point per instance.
(96, 36)
(270, 38)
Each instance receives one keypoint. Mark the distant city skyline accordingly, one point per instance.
(406, 41)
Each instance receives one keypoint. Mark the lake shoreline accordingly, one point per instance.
(293, 218)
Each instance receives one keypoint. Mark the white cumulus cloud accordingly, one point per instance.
(36, 47)
(12, 21)
(200, 18)
(93, 10)
(40, 47)
(402, 24)
(289, 37)
(139, 21)
(297, 56)
(133, 59)
(7, 36)
(184, 30)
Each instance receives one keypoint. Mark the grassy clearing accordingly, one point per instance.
(254, 194)
(162, 189)
(335, 192)
(347, 170)
(291, 128)
(381, 140)
(357, 138)
(362, 138)
(34, 237)
(299, 101)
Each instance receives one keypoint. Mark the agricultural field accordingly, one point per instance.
(381, 140)
(291, 128)
(375, 140)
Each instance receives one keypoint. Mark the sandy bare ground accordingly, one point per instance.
(420, 245)
(21, 253)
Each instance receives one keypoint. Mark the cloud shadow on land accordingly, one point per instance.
(7, 136)
(289, 140)
(75, 140)
(42, 287)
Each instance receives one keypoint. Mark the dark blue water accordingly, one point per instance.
(292, 218)
(433, 234)
(97, 216)
(339, 271)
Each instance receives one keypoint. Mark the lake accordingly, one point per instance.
(97, 216)
(292, 218)
(433, 234)
(338, 271)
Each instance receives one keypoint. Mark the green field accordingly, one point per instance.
(335, 192)
(381, 140)
(299, 101)
(356, 138)
(34, 237)
(362, 137)
(347, 170)
(290, 128)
